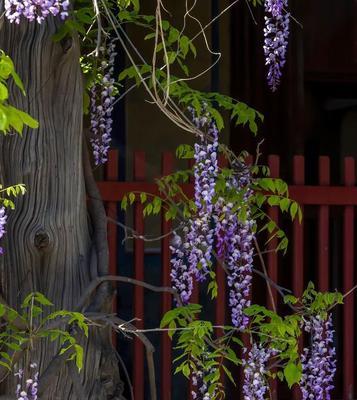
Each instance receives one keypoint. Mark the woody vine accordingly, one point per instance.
(218, 228)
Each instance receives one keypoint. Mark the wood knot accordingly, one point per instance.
(42, 240)
(66, 44)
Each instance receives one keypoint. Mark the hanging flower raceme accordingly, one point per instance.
(255, 365)
(35, 10)
(319, 360)
(27, 390)
(200, 388)
(181, 275)
(3, 218)
(101, 108)
(201, 234)
(235, 244)
(276, 33)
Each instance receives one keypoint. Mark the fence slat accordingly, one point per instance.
(138, 375)
(111, 174)
(298, 232)
(166, 355)
(323, 235)
(298, 246)
(348, 282)
(273, 212)
(272, 258)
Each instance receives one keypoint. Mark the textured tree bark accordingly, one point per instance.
(51, 243)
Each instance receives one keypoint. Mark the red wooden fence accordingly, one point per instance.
(322, 199)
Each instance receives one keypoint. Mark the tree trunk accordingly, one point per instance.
(51, 244)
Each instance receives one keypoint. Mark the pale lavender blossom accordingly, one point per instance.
(276, 33)
(235, 244)
(35, 10)
(255, 386)
(101, 108)
(3, 218)
(201, 233)
(27, 390)
(318, 360)
(199, 386)
(181, 274)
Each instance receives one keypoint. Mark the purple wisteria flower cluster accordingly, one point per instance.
(29, 391)
(201, 234)
(181, 274)
(319, 360)
(200, 387)
(3, 218)
(35, 10)
(191, 254)
(255, 384)
(101, 108)
(276, 33)
(235, 245)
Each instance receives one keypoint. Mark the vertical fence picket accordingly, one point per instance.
(272, 258)
(273, 212)
(138, 374)
(220, 312)
(166, 356)
(323, 222)
(111, 174)
(348, 282)
(298, 232)
(298, 246)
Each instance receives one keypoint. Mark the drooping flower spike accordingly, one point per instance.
(27, 390)
(276, 33)
(255, 386)
(235, 244)
(318, 360)
(201, 234)
(101, 108)
(3, 218)
(191, 252)
(35, 10)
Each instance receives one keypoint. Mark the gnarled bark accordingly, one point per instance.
(51, 242)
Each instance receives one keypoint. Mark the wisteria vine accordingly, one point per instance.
(101, 107)
(201, 234)
(27, 390)
(318, 360)
(35, 10)
(3, 218)
(235, 244)
(255, 384)
(276, 33)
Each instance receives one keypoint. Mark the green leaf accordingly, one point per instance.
(27, 119)
(4, 93)
(18, 82)
(79, 356)
(292, 374)
(293, 209)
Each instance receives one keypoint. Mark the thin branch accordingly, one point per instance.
(110, 278)
(266, 273)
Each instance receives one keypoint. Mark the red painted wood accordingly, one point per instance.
(272, 257)
(166, 354)
(298, 247)
(298, 232)
(138, 373)
(348, 282)
(323, 223)
(111, 174)
(305, 195)
(273, 212)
